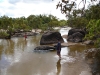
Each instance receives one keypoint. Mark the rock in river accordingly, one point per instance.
(51, 37)
(76, 35)
(45, 48)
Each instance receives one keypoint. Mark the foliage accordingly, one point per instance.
(79, 22)
(93, 12)
(44, 27)
(26, 24)
(67, 6)
(83, 18)
(79, 17)
(3, 34)
(93, 29)
(63, 23)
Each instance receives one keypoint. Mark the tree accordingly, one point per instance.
(5, 22)
(30, 20)
(53, 22)
(93, 29)
(63, 22)
(67, 6)
(79, 22)
(13, 25)
(93, 12)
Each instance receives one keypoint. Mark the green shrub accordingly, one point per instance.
(3, 34)
(93, 29)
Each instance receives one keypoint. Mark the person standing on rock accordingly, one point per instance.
(58, 48)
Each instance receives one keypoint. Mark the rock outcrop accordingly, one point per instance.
(76, 35)
(44, 48)
(51, 37)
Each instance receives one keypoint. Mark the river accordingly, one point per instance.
(17, 57)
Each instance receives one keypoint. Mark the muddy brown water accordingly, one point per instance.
(17, 57)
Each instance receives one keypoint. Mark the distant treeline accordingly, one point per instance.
(43, 22)
(31, 22)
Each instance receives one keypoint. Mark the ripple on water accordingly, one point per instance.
(67, 59)
(85, 73)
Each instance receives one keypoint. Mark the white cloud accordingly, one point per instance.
(19, 8)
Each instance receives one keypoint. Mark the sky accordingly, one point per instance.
(19, 8)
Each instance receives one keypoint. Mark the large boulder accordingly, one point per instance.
(51, 37)
(76, 35)
(74, 30)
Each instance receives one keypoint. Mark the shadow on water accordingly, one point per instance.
(41, 51)
(58, 67)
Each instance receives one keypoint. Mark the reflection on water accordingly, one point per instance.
(1, 50)
(58, 67)
(12, 50)
(18, 58)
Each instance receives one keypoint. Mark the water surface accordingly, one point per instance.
(17, 57)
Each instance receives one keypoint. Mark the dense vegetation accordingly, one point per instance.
(92, 25)
(9, 25)
(83, 18)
